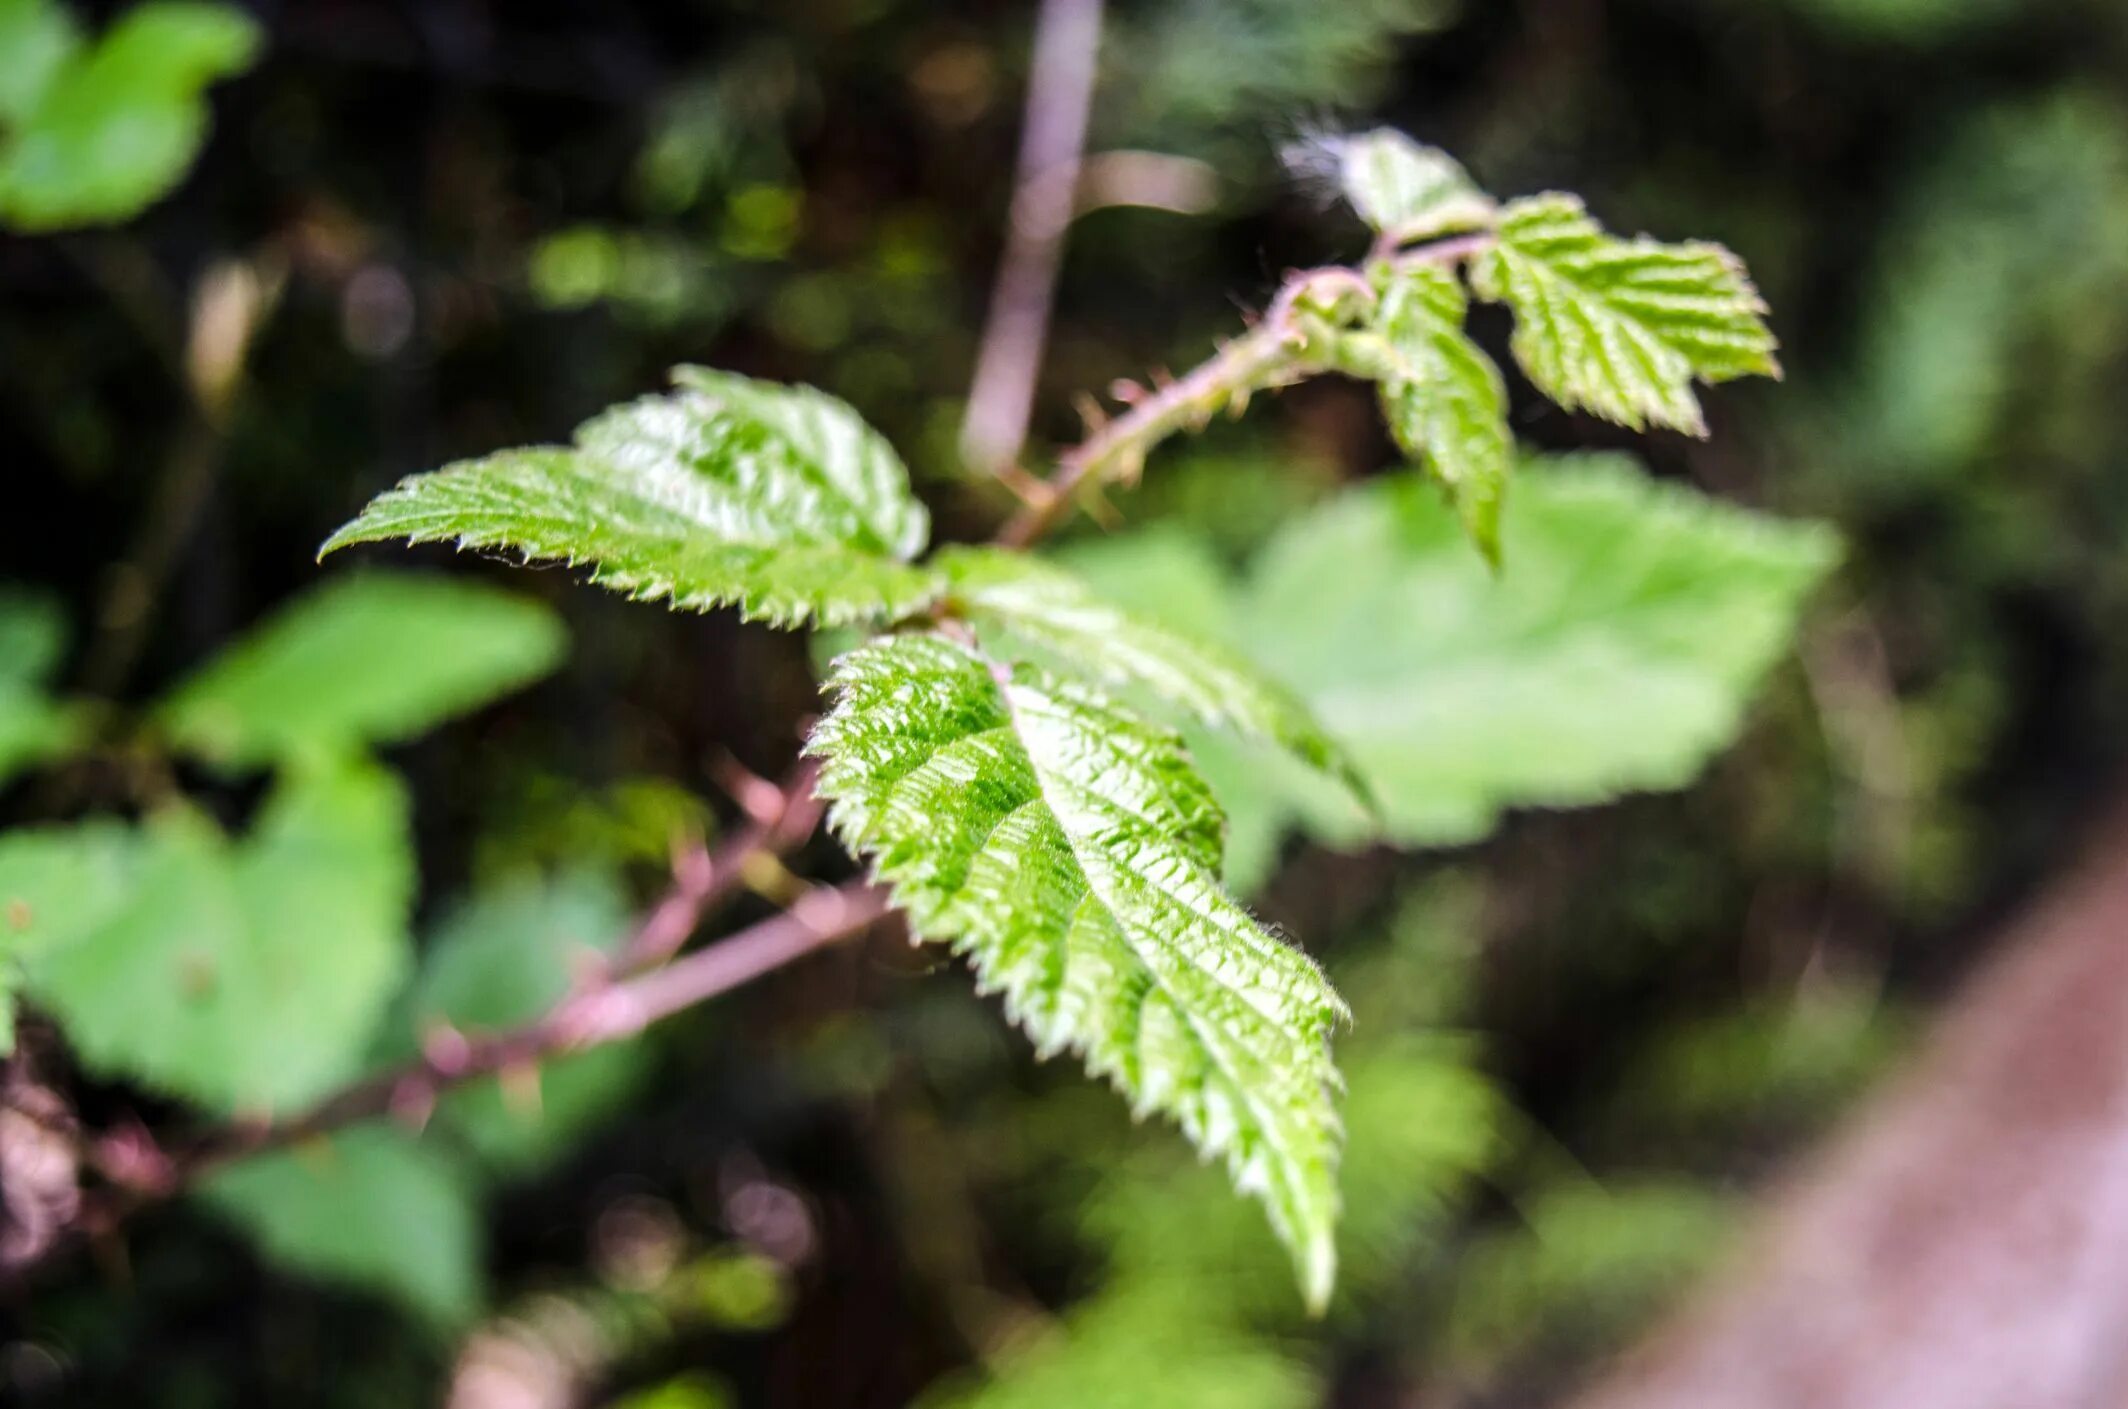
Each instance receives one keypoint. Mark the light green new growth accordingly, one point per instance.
(726, 492)
(1050, 609)
(91, 133)
(1071, 852)
(369, 659)
(1620, 328)
(1444, 399)
(1405, 191)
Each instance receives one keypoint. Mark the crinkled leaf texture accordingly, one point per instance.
(1405, 190)
(727, 491)
(91, 133)
(1444, 399)
(367, 659)
(248, 975)
(1071, 852)
(1620, 328)
(1050, 609)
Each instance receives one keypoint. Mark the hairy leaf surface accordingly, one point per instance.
(1444, 399)
(1407, 191)
(1046, 607)
(1620, 328)
(368, 659)
(727, 491)
(1071, 852)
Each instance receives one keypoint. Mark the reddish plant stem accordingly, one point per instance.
(1045, 195)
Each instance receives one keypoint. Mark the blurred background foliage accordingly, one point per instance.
(419, 231)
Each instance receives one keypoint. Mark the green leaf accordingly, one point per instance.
(1620, 328)
(32, 726)
(55, 884)
(1616, 651)
(247, 977)
(1071, 852)
(1444, 399)
(1407, 191)
(778, 500)
(367, 659)
(94, 134)
(368, 1207)
(37, 38)
(501, 959)
(1012, 595)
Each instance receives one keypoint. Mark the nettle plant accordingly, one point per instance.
(1030, 773)
(982, 756)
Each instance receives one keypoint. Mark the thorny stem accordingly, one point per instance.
(1297, 336)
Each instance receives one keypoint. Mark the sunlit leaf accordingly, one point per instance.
(778, 500)
(1621, 328)
(1071, 852)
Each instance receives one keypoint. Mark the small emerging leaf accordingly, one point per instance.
(728, 491)
(1053, 611)
(1620, 328)
(1444, 399)
(1407, 191)
(1071, 852)
(370, 659)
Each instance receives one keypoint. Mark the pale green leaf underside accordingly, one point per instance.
(1444, 399)
(1071, 852)
(247, 976)
(1405, 190)
(369, 659)
(369, 1207)
(1620, 328)
(725, 492)
(1053, 611)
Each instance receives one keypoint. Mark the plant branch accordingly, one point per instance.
(604, 1012)
(1045, 196)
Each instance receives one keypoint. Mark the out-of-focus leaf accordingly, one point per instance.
(503, 958)
(246, 977)
(1616, 653)
(778, 500)
(33, 727)
(1591, 1265)
(1071, 852)
(92, 133)
(369, 1207)
(1138, 1351)
(366, 659)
